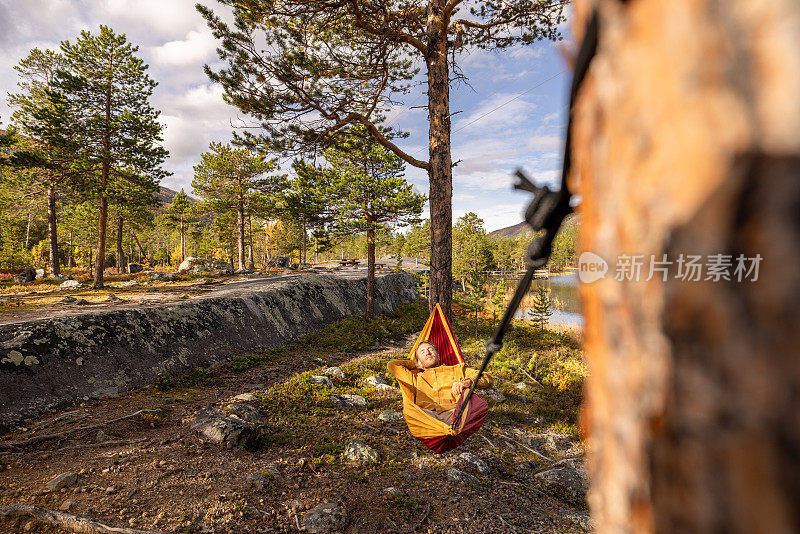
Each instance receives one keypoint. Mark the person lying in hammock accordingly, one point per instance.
(438, 388)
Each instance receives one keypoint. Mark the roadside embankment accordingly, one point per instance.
(46, 364)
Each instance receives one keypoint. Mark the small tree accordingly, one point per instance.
(541, 308)
(305, 201)
(232, 180)
(368, 192)
(180, 216)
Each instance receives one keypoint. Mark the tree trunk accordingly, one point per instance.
(55, 269)
(316, 249)
(240, 232)
(120, 251)
(102, 222)
(183, 240)
(440, 173)
(28, 231)
(370, 273)
(688, 124)
(303, 241)
(70, 252)
(250, 263)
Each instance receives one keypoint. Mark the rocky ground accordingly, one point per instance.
(303, 438)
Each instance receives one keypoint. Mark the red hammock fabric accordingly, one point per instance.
(473, 419)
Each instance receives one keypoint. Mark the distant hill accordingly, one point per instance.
(511, 232)
(165, 196)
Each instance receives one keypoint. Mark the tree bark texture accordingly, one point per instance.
(687, 141)
(440, 172)
(120, 251)
(240, 232)
(370, 272)
(100, 259)
(52, 231)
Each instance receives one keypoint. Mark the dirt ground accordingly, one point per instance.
(154, 473)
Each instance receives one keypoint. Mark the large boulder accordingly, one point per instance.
(70, 284)
(134, 268)
(227, 429)
(188, 263)
(565, 481)
(25, 276)
(326, 517)
(39, 274)
(281, 262)
(358, 451)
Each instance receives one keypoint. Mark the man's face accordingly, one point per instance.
(427, 356)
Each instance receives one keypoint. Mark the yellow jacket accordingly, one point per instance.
(433, 386)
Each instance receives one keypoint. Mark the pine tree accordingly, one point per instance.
(180, 215)
(331, 63)
(48, 155)
(306, 202)
(368, 192)
(232, 180)
(118, 130)
(541, 308)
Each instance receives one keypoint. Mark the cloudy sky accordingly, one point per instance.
(512, 114)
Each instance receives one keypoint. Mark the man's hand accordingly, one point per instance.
(461, 386)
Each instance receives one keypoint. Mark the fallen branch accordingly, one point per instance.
(68, 522)
(101, 444)
(524, 372)
(489, 442)
(45, 437)
(55, 420)
(422, 519)
(537, 453)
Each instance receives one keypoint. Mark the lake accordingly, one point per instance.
(566, 301)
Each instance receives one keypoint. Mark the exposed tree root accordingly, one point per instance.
(67, 521)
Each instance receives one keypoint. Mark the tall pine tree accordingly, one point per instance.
(305, 69)
(179, 215)
(368, 192)
(118, 130)
(232, 180)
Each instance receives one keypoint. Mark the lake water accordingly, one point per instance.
(566, 301)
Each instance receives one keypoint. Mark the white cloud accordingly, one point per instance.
(498, 111)
(545, 142)
(163, 17)
(197, 47)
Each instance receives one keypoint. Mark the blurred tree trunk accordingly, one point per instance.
(687, 141)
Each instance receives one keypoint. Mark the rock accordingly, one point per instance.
(304, 266)
(68, 300)
(226, 429)
(522, 386)
(102, 436)
(70, 284)
(244, 411)
(245, 397)
(198, 269)
(392, 491)
(358, 451)
(201, 281)
(113, 298)
(335, 372)
(188, 263)
(134, 268)
(281, 262)
(273, 471)
(66, 505)
(322, 381)
(493, 394)
(581, 519)
(259, 482)
(64, 480)
(390, 416)
(129, 283)
(375, 381)
(25, 276)
(349, 401)
(81, 302)
(386, 387)
(565, 483)
(163, 277)
(475, 462)
(326, 517)
(244, 270)
(457, 475)
(39, 274)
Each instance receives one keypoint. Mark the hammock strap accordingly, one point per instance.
(545, 212)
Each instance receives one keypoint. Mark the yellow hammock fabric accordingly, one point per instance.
(434, 433)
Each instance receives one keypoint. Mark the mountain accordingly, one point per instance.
(511, 232)
(165, 196)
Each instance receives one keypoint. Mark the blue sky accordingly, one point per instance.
(526, 132)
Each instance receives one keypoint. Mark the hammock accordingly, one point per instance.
(435, 434)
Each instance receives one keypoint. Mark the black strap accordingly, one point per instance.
(545, 212)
